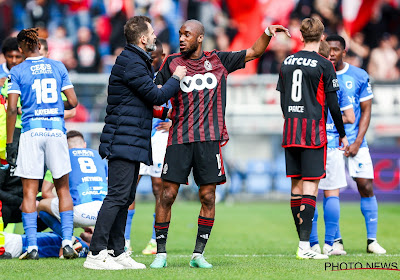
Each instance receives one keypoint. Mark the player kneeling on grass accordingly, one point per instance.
(307, 84)
(88, 186)
(48, 243)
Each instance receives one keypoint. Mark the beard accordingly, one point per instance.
(151, 46)
(190, 50)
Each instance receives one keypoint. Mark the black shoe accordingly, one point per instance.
(33, 255)
(5, 256)
(69, 253)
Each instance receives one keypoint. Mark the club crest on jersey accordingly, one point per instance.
(165, 169)
(349, 84)
(207, 65)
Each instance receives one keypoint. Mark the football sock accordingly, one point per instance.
(203, 233)
(338, 235)
(67, 227)
(29, 221)
(153, 237)
(161, 236)
(331, 217)
(369, 208)
(307, 209)
(51, 222)
(314, 230)
(295, 206)
(129, 224)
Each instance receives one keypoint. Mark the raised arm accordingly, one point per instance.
(262, 42)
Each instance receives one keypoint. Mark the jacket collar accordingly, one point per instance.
(146, 56)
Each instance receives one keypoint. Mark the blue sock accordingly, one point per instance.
(369, 208)
(51, 222)
(29, 221)
(129, 224)
(338, 235)
(331, 217)
(67, 224)
(314, 230)
(154, 230)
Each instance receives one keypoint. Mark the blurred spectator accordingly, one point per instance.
(38, 12)
(76, 15)
(382, 64)
(82, 114)
(6, 19)
(161, 29)
(270, 62)
(109, 60)
(359, 49)
(86, 52)
(59, 44)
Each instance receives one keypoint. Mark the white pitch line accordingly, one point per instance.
(278, 255)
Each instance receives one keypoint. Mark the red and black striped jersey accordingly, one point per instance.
(304, 79)
(198, 109)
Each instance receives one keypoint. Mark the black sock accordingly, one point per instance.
(307, 210)
(203, 233)
(161, 236)
(295, 206)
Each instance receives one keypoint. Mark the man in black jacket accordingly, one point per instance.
(125, 140)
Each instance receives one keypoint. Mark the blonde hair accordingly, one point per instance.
(324, 49)
(311, 29)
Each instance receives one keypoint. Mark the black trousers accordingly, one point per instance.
(111, 220)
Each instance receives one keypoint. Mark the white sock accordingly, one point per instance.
(153, 241)
(66, 242)
(196, 254)
(30, 248)
(162, 254)
(304, 245)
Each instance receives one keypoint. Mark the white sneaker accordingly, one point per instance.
(102, 261)
(375, 248)
(316, 248)
(309, 254)
(330, 251)
(127, 262)
(337, 245)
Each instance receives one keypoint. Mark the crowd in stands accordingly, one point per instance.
(86, 35)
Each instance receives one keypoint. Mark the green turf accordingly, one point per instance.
(248, 241)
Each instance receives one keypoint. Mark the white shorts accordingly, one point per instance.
(13, 244)
(359, 166)
(159, 143)
(85, 215)
(38, 147)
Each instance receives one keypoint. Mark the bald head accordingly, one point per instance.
(196, 26)
(191, 37)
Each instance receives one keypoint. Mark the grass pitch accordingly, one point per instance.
(248, 241)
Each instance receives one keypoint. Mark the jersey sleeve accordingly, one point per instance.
(365, 88)
(232, 61)
(164, 73)
(65, 81)
(13, 83)
(331, 83)
(344, 101)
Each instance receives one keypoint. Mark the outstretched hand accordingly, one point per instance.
(273, 29)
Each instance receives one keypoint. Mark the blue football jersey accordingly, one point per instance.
(4, 72)
(39, 81)
(355, 81)
(331, 131)
(88, 178)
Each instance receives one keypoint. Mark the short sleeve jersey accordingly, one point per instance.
(88, 178)
(331, 131)
(39, 81)
(198, 109)
(304, 79)
(355, 82)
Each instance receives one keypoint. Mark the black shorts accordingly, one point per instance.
(204, 157)
(305, 163)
